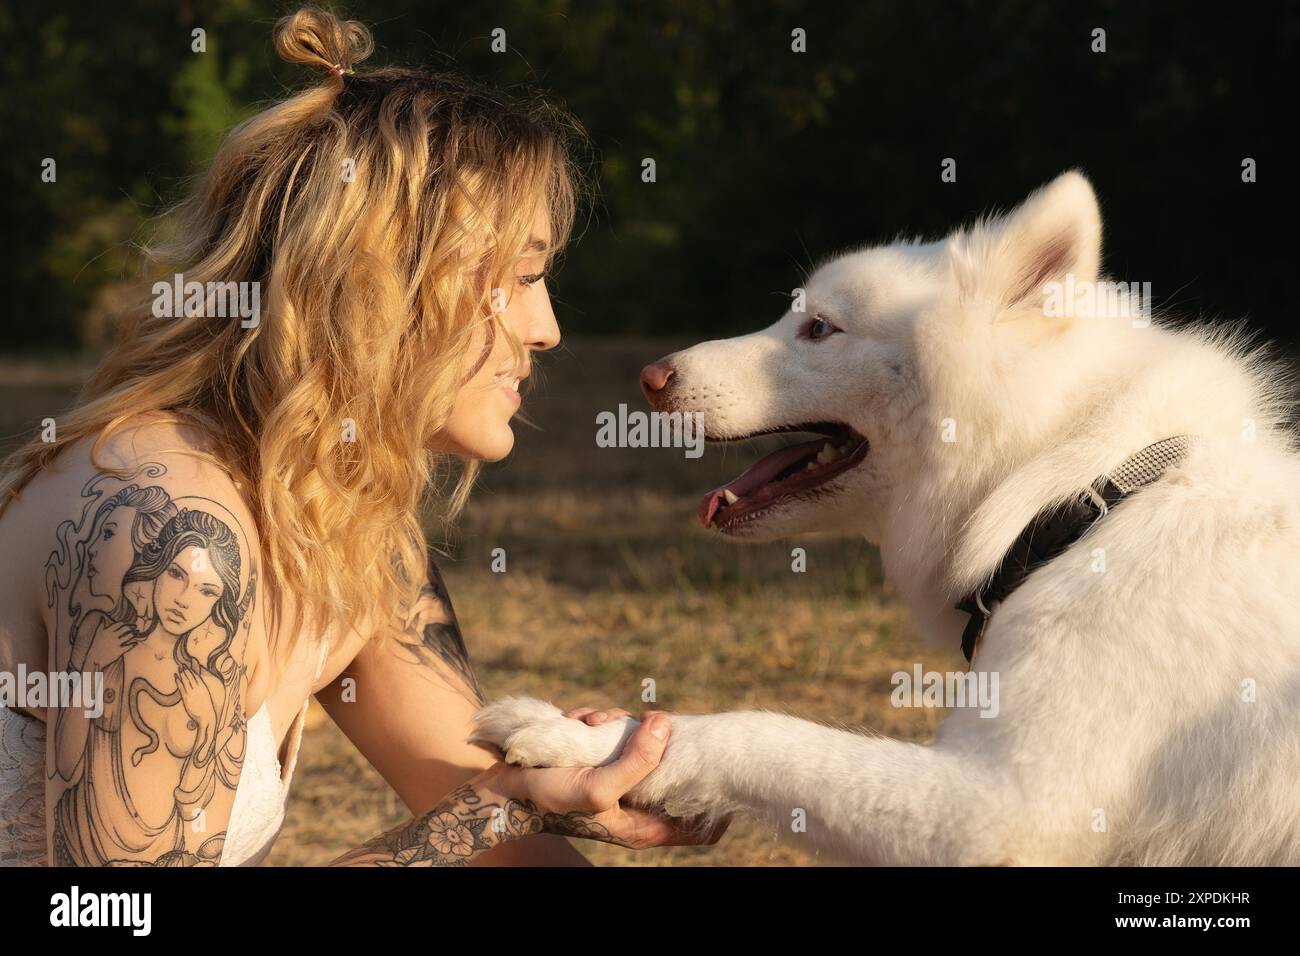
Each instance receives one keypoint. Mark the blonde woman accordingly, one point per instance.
(229, 520)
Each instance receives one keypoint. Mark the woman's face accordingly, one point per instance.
(479, 426)
(110, 552)
(186, 592)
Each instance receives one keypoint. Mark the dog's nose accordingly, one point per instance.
(654, 379)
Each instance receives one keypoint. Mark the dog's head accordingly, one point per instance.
(916, 364)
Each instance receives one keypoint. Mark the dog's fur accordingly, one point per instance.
(1150, 712)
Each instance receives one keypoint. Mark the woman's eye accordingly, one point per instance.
(819, 328)
(531, 279)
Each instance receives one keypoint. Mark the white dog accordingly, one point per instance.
(1149, 673)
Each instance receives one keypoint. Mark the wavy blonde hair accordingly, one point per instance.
(374, 289)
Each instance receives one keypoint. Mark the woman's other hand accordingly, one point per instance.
(110, 642)
(585, 801)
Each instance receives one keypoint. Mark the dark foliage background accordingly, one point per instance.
(767, 160)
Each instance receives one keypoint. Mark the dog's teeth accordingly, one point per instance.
(730, 495)
(827, 454)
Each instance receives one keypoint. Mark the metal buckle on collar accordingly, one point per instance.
(1098, 501)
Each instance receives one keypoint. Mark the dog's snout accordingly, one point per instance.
(654, 379)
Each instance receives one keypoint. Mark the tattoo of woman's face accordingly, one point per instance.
(184, 596)
(193, 569)
(110, 553)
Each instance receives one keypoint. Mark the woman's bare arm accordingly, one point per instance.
(406, 701)
(150, 578)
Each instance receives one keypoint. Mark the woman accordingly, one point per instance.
(398, 226)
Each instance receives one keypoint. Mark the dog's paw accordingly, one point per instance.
(533, 733)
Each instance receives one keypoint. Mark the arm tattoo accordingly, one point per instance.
(432, 634)
(152, 595)
(467, 823)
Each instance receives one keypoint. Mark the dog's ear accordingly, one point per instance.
(1053, 234)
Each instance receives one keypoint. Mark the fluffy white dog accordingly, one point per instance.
(972, 393)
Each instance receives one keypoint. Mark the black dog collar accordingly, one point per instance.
(1055, 529)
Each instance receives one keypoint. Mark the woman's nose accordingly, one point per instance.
(543, 330)
(547, 339)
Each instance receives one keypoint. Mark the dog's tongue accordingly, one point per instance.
(757, 475)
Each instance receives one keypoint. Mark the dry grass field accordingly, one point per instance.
(611, 581)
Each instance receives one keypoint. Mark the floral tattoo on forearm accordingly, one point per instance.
(464, 826)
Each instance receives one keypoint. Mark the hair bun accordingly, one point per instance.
(316, 37)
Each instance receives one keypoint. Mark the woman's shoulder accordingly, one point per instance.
(188, 450)
(111, 513)
(157, 456)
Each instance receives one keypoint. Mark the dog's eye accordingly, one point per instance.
(818, 328)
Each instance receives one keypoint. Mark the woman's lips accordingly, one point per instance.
(513, 395)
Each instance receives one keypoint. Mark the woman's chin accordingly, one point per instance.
(495, 447)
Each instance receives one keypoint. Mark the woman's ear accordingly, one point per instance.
(1052, 235)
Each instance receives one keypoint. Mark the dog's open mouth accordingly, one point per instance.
(792, 471)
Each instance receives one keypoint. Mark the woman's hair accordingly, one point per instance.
(378, 209)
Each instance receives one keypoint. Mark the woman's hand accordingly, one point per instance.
(584, 801)
(197, 702)
(505, 803)
(110, 642)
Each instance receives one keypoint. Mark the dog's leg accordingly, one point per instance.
(865, 799)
